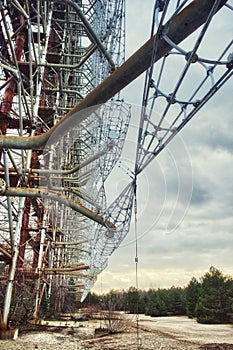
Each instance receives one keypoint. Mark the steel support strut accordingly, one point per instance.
(90, 32)
(58, 197)
(179, 28)
(15, 253)
(6, 104)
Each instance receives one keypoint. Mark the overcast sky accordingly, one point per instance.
(185, 196)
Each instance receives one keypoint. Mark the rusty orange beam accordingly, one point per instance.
(24, 234)
(6, 105)
(64, 270)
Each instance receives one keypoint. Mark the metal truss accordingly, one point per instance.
(63, 127)
(170, 101)
(53, 53)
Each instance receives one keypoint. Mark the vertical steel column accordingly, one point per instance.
(41, 60)
(6, 104)
(7, 179)
(5, 110)
(24, 231)
(39, 294)
(15, 252)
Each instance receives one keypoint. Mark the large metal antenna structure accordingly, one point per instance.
(63, 126)
(53, 53)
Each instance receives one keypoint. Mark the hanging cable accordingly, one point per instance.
(139, 341)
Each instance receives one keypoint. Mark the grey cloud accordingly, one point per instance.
(199, 195)
(212, 126)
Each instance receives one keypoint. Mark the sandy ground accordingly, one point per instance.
(170, 333)
(184, 328)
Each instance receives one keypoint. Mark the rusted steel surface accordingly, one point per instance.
(6, 254)
(6, 105)
(64, 270)
(24, 235)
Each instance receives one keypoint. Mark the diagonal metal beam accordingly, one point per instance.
(178, 29)
(78, 167)
(57, 197)
(90, 31)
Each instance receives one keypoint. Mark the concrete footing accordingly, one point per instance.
(9, 334)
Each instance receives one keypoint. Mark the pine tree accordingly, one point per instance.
(214, 304)
(192, 294)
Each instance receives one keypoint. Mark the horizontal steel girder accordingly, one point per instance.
(58, 197)
(180, 27)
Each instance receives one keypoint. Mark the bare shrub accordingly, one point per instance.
(114, 321)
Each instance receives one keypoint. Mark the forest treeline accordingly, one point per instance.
(208, 300)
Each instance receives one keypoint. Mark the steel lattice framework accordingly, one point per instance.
(63, 126)
(53, 53)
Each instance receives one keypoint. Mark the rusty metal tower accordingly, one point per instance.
(63, 125)
(53, 53)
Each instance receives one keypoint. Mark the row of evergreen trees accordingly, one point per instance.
(209, 300)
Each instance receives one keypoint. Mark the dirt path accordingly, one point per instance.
(183, 328)
(160, 334)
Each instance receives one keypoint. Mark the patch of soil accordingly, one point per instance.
(101, 332)
(214, 346)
